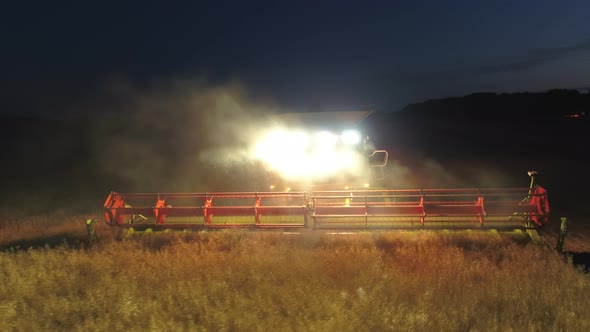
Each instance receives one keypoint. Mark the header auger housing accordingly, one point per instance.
(491, 208)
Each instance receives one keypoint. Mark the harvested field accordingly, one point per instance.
(52, 279)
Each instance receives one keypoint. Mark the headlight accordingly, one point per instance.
(350, 137)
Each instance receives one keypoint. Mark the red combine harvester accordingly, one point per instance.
(503, 209)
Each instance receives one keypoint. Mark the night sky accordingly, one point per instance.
(337, 55)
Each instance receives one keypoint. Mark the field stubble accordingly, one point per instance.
(240, 280)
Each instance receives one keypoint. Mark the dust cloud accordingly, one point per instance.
(189, 135)
(181, 135)
(434, 174)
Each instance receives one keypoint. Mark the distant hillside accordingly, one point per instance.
(506, 105)
(554, 124)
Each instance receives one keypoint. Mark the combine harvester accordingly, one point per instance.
(503, 209)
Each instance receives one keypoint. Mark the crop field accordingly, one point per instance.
(53, 278)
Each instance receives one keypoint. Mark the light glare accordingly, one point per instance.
(350, 137)
(300, 155)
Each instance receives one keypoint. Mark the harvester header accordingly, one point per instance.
(491, 208)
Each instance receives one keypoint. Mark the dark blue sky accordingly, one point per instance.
(304, 54)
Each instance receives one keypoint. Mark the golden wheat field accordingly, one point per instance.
(52, 279)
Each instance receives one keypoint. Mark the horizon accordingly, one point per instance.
(81, 105)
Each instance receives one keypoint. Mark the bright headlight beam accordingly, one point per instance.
(297, 154)
(350, 137)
